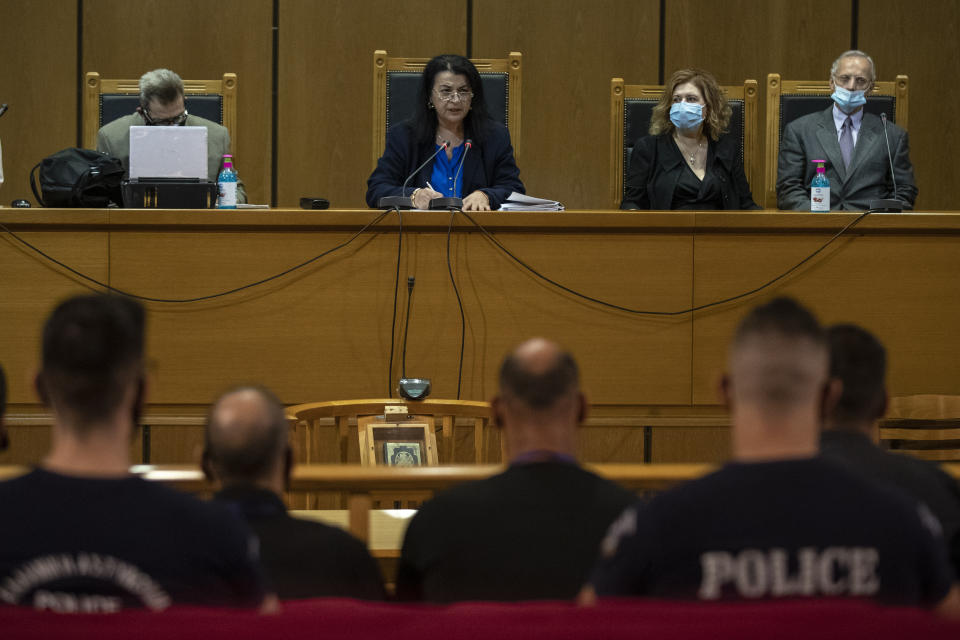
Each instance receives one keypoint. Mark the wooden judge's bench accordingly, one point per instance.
(323, 332)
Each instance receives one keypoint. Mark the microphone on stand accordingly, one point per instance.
(410, 388)
(402, 201)
(452, 203)
(888, 205)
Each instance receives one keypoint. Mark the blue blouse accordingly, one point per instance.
(444, 171)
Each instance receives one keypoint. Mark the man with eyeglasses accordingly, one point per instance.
(853, 144)
(162, 105)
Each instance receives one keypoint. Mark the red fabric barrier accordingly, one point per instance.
(353, 620)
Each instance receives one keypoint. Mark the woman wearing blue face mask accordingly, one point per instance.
(688, 161)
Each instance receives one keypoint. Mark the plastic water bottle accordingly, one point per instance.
(227, 184)
(820, 189)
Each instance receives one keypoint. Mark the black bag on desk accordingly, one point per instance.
(78, 178)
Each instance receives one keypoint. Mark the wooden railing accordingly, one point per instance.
(359, 482)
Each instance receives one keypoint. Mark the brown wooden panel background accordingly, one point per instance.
(921, 40)
(38, 64)
(201, 39)
(326, 85)
(571, 49)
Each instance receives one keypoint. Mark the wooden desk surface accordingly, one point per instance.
(324, 332)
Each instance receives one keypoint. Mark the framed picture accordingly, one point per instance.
(405, 444)
(402, 454)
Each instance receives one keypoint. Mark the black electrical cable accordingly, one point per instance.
(693, 309)
(463, 320)
(396, 289)
(199, 298)
(406, 325)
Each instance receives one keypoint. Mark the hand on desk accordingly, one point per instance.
(476, 201)
(422, 197)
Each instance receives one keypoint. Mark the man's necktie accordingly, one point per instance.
(846, 142)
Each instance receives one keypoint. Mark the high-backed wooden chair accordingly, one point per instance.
(347, 415)
(924, 426)
(631, 106)
(106, 100)
(395, 83)
(788, 100)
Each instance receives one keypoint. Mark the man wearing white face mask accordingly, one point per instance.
(853, 144)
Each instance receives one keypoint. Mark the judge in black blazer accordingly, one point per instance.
(688, 161)
(477, 165)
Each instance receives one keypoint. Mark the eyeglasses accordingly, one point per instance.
(175, 121)
(463, 95)
(858, 81)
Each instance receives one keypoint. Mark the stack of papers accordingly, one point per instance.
(521, 202)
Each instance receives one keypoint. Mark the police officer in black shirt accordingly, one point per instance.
(80, 533)
(247, 453)
(779, 521)
(852, 432)
(532, 531)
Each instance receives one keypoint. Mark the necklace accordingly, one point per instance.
(692, 154)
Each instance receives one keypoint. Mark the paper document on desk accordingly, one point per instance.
(523, 202)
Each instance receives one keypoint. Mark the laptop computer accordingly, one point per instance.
(168, 152)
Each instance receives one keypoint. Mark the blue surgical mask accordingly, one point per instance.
(686, 115)
(848, 101)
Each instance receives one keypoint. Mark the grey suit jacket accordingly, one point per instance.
(114, 138)
(814, 136)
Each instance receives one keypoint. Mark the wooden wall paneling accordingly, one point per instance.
(690, 444)
(38, 47)
(505, 304)
(876, 281)
(199, 39)
(326, 76)
(28, 443)
(922, 44)
(324, 334)
(743, 39)
(571, 49)
(610, 444)
(32, 287)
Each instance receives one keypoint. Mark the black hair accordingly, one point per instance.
(859, 361)
(539, 390)
(254, 458)
(782, 316)
(424, 120)
(92, 352)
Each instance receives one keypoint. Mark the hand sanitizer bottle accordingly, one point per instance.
(227, 184)
(820, 189)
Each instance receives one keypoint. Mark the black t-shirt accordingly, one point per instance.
(304, 559)
(786, 529)
(103, 544)
(920, 479)
(531, 532)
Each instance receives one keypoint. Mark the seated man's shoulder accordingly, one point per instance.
(213, 127)
(331, 538)
(121, 125)
(804, 121)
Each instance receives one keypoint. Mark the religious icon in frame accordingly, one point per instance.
(402, 454)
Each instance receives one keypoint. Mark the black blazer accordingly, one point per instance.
(656, 166)
(489, 166)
